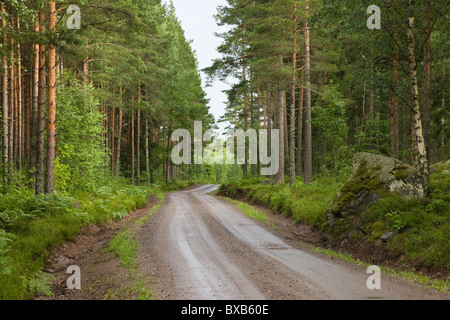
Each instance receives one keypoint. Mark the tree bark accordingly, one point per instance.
(394, 101)
(269, 120)
(281, 103)
(292, 126)
(119, 137)
(35, 96)
(427, 81)
(39, 129)
(300, 129)
(12, 108)
(132, 147)
(419, 142)
(51, 116)
(113, 138)
(308, 175)
(245, 166)
(19, 105)
(5, 111)
(147, 152)
(138, 145)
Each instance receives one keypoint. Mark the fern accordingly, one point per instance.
(5, 260)
(41, 284)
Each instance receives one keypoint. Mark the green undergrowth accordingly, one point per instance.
(304, 203)
(31, 225)
(125, 247)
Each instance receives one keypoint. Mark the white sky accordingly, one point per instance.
(197, 20)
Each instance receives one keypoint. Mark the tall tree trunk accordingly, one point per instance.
(35, 98)
(419, 141)
(138, 147)
(300, 128)
(427, 82)
(292, 153)
(269, 119)
(265, 109)
(281, 123)
(5, 111)
(308, 175)
(19, 105)
(405, 131)
(12, 108)
(394, 100)
(258, 121)
(245, 166)
(132, 147)
(113, 138)
(39, 129)
(147, 152)
(51, 116)
(119, 136)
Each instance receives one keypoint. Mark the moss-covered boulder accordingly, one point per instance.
(373, 177)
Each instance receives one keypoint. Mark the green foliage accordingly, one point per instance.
(81, 162)
(5, 261)
(306, 203)
(125, 248)
(41, 284)
(329, 116)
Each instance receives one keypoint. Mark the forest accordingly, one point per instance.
(92, 90)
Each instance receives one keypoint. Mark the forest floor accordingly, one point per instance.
(103, 277)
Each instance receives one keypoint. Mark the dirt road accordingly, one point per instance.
(201, 247)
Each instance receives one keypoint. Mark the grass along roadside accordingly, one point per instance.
(252, 212)
(125, 247)
(438, 284)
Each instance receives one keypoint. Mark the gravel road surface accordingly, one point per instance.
(199, 247)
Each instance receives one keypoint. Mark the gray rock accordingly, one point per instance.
(373, 177)
(388, 235)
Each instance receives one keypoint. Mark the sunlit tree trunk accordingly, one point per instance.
(51, 116)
